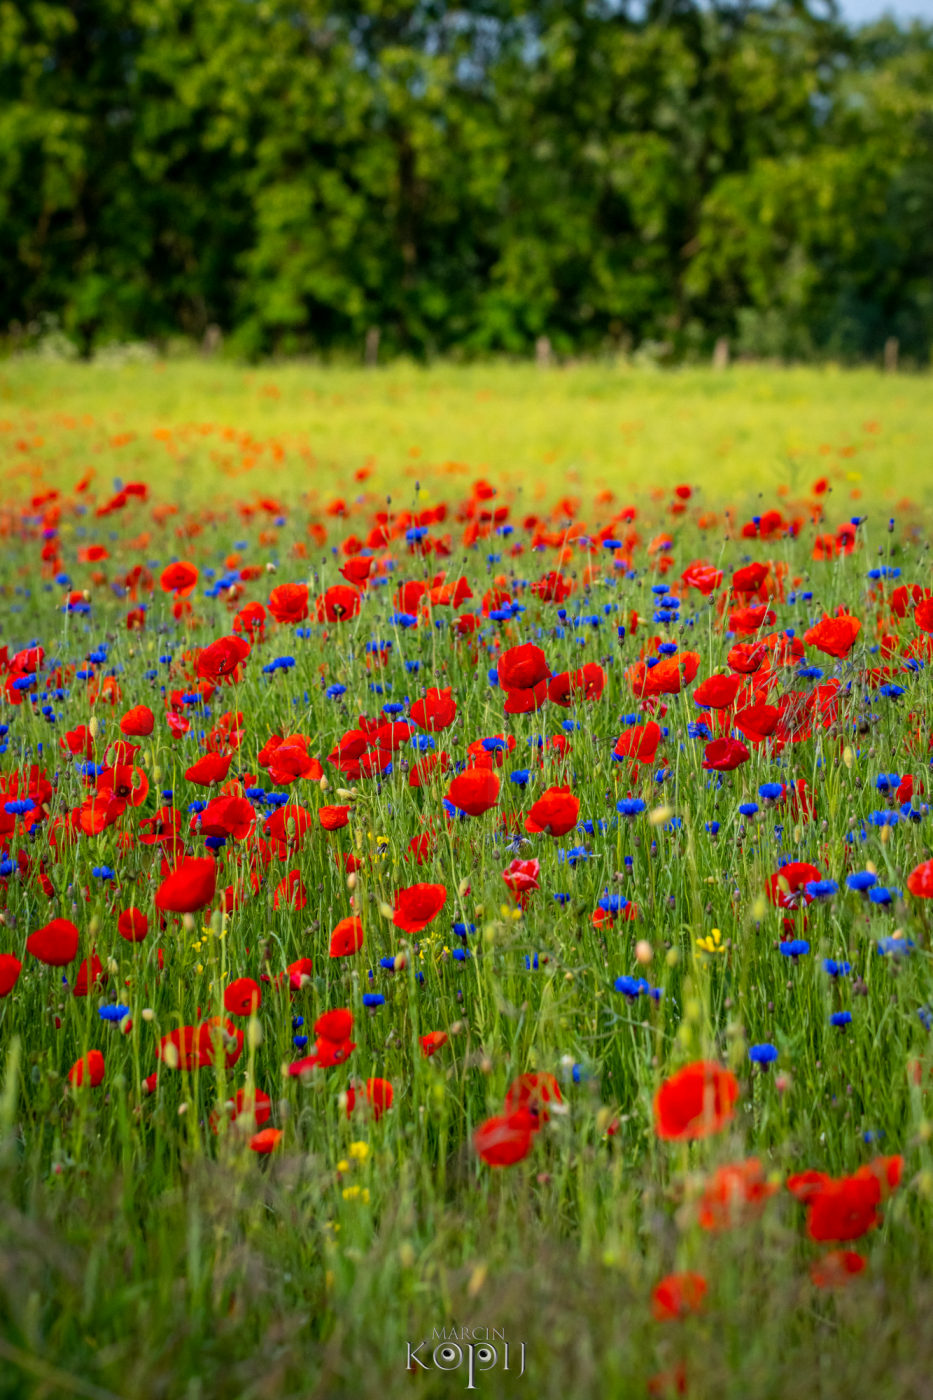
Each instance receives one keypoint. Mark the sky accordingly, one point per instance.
(860, 11)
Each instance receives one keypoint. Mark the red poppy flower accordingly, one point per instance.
(718, 692)
(218, 1037)
(132, 925)
(668, 677)
(379, 1096)
(220, 660)
(677, 1295)
(55, 944)
(533, 1092)
(787, 886)
(505, 1139)
(251, 619)
(10, 968)
(212, 768)
(723, 755)
(475, 791)
(390, 737)
(432, 1042)
(179, 578)
(747, 621)
(750, 578)
(240, 996)
(265, 1141)
(705, 578)
(834, 635)
(920, 880)
(90, 972)
(290, 761)
(189, 887)
(553, 587)
(555, 812)
(333, 818)
(288, 825)
(696, 1101)
(757, 722)
(356, 570)
(845, 1209)
(640, 743)
(588, 683)
(436, 710)
(288, 603)
(89, 1070)
(521, 876)
(837, 1268)
(138, 722)
(734, 1194)
(803, 1186)
(347, 938)
(336, 1025)
(523, 674)
(417, 905)
(227, 816)
(290, 892)
(747, 657)
(178, 1049)
(340, 603)
(78, 742)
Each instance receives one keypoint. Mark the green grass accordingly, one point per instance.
(143, 1255)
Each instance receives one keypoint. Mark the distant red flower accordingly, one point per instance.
(734, 1194)
(668, 677)
(834, 635)
(524, 674)
(803, 1186)
(89, 1070)
(290, 892)
(189, 887)
(432, 1042)
(475, 791)
(555, 812)
(845, 1209)
(138, 722)
(266, 1140)
(336, 1025)
(132, 925)
(533, 1092)
(251, 619)
(757, 721)
(723, 755)
(10, 968)
(677, 1295)
(179, 578)
(55, 944)
(436, 710)
(340, 603)
(920, 880)
(417, 905)
(639, 743)
(220, 660)
(90, 972)
(505, 1139)
(837, 1268)
(787, 886)
(333, 818)
(718, 691)
(747, 621)
(347, 938)
(587, 683)
(240, 995)
(288, 603)
(747, 657)
(705, 578)
(923, 615)
(695, 1102)
(379, 1096)
(521, 876)
(212, 768)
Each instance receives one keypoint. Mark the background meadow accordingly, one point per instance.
(144, 1254)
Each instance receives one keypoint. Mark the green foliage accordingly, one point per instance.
(466, 179)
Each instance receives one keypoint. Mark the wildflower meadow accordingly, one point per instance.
(465, 852)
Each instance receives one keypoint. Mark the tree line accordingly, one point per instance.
(420, 177)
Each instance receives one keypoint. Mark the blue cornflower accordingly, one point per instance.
(861, 880)
(334, 692)
(821, 889)
(113, 1013)
(612, 903)
(770, 792)
(561, 899)
(748, 809)
(461, 954)
(630, 806)
(103, 872)
(531, 963)
(463, 930)
(573, 856)
(840, 1018)
(836, 969)
(895, 947)
(712, 828)
(795, 948)
(373, 999)
(882, 895)
(762, 1054)
(632, 986)
(520, 777)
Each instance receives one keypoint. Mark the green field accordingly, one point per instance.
(584, 427)
(150, 1248)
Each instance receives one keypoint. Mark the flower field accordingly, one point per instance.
(463, 917)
